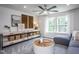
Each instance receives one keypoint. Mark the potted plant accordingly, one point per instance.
(7, 27)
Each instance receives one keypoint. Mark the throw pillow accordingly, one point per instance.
(76, 35)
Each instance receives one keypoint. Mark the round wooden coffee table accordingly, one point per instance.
(45, 47)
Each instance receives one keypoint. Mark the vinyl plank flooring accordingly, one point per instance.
(26, 47)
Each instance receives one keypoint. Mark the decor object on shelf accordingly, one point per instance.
(7, 27)
(21, 27)
(16, 24)
(35, 26)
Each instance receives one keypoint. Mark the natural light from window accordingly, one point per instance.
(57, 24)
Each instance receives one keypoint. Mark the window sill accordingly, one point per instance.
(56, 32)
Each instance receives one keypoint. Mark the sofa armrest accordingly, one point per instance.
(73, 43)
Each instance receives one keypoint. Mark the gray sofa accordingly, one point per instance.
(67, 40)
(73, 47)
(63, 39)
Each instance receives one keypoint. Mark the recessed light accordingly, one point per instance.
(25, 6)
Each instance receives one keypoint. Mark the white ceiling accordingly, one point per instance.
(33, 7)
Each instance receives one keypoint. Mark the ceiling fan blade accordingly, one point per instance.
(51, 8)
(41, 12)
(54, 11)
(36, 11)
(41, 7)
(45, 7)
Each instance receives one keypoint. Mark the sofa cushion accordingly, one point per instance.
(74, 43)
(60, 49)
(73, 50)
(62, 39)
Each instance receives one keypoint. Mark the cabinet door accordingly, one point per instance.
(30, 21)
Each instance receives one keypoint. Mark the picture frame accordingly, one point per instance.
(15, 19)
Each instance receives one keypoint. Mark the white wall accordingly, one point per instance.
(36, 22)
(42, 24)
(73, 19)
(5, 17)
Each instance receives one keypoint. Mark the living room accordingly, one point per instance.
(39, 29)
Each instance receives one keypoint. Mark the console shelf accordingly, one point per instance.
(12, 38)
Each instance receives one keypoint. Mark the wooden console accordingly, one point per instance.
(13, 38)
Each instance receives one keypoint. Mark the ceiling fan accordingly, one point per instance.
(45, 10)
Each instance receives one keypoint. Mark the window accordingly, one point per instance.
(57, 24)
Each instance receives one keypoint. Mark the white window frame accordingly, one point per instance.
(46, 26)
